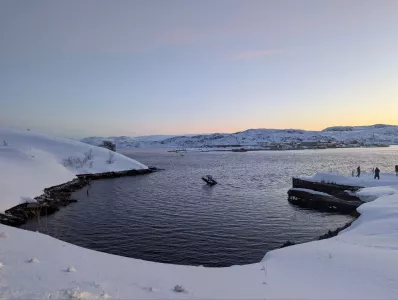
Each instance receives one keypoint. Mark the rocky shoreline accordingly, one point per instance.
(327, 235)
(58, 196)
(333, 197)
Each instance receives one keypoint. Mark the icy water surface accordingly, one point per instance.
(173, 217)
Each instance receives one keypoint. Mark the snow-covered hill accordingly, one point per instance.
(379, 133)
(30, 162)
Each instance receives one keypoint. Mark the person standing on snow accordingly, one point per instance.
(377, 173)
(359, 171)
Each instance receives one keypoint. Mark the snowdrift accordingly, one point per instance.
(30, 162)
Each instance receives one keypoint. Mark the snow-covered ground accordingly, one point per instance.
(372, 193)
(359, 263)
(309, 191)
(30, 162)
(379, 133)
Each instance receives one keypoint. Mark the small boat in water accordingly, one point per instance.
(209, 180)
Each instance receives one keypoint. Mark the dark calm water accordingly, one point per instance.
(173, 217)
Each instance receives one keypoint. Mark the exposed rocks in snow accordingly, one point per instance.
(104, 296)
(80, 295)
(57, 196)
(71, 269)
(34, 162)
(179, 289)
(28, 200)
(327, 235)
(33, 260)
(332, 233)
(287, 244)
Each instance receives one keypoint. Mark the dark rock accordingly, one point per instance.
(154, 169)
(335, 232)
(287, 244)
(56, 196)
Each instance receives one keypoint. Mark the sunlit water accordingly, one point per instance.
(173, 217)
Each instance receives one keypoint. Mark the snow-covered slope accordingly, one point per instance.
(359, 263)
(379, 133)
(30, 162)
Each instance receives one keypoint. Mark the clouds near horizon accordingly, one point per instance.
(147, 67)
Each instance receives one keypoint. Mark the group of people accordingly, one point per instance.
(375, 171)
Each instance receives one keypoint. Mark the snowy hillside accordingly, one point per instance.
(31, 162)
(387, 134)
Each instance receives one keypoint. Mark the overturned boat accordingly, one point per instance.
(209, 180)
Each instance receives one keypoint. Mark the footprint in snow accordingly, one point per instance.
(33, 260)
(1, 265)
(3, 235)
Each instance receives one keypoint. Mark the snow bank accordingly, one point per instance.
(366, 179)
(31, 162)
(26, 174)
(309, 191)
(372, 193)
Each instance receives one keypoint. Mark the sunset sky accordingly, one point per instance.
(81, 68)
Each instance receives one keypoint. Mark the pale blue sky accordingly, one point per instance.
(79, 68)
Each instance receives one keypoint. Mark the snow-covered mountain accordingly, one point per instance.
(379, 133)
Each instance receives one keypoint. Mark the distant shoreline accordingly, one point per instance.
(247, 149)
